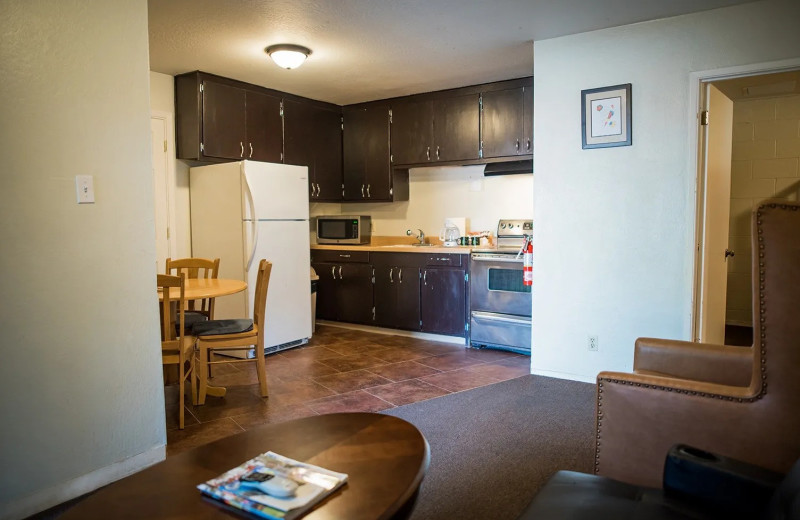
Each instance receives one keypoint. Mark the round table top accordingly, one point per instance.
(385, 458)
(200, 288)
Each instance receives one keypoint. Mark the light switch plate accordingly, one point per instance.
(84, 187)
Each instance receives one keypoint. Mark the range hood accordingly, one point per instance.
(509, 168)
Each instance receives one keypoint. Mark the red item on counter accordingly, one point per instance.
(527, 263)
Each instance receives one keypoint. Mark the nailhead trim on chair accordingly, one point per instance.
(763, 336)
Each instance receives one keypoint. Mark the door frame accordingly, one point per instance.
(169, 134)
(696, 160)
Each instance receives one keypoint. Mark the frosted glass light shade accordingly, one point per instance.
(288, 56)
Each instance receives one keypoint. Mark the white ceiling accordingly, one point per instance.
(365, 50)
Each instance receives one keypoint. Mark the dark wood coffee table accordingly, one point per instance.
(385, 458)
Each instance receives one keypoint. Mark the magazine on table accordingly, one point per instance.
(273, 486)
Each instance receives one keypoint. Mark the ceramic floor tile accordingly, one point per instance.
(407, 392)
(349, 348)
(198, 434)
(398, 354)
(403, 371)
(272, 414)
(355, 362)
(307, 352)
(291, 370)
(489, 355)
(237, 400)
(446, 362)
(349, 381)
(358, 401)
(458, 380)
(500, 371)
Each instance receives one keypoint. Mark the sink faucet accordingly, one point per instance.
(420, 237)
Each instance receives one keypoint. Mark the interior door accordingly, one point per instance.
(716, 214)
(162, 192)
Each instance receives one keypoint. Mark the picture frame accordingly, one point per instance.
(606, 116)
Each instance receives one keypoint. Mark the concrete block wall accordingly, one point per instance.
(766, 153)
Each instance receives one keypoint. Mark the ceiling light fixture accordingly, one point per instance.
(287, 55)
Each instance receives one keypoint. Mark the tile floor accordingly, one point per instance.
(340, 370)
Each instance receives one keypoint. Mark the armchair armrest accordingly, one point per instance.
(718, 484)
(670, 411)
(720, 364)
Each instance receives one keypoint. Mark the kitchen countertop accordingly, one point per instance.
(396, 248)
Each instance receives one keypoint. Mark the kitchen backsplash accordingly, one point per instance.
(439, 192)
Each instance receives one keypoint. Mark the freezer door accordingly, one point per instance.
(288, 311)
(275, 191)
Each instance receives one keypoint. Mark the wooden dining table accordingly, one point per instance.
(201, 288)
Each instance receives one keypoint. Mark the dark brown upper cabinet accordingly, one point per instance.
(264, 127)
(507, 122)
(219, 119)
(313, 137)
(443, 128)
(368, 175)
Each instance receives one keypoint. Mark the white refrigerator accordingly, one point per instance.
(242, 212)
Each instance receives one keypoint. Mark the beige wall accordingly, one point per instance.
(766, 150)
(614, 242)
(437, 193)
(80, 373)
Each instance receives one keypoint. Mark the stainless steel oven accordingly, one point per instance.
(500, 303)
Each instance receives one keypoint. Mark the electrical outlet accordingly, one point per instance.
(594, 343)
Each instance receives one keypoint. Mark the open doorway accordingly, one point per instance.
(749, 152)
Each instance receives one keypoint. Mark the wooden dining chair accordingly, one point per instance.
(220, 335)
(177, 347)
(196, 268)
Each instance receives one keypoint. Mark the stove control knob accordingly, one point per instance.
(502, 226)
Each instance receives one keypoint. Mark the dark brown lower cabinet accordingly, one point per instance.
(396, 295)
(344, 292)
(443, 303)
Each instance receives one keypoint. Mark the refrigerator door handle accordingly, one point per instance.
(253, 222)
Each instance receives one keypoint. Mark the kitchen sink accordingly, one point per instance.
(410, 245)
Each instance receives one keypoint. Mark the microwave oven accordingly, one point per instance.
(343, 229)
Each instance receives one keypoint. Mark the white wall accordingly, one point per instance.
(437, 193)
(615, 226)
(162, 99)
(81, 372)
(766, 150)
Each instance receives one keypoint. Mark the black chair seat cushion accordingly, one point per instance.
(578, 496)
(189, 320)
(217, 327)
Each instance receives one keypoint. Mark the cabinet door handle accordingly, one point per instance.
(241, 145)
(362, 191)
(528, 144)
(344, 256)
(517, 145)
(340, 272)
(425, 278)
(400, 275)
(428, 153)
(369, 196)
(251, 149)
(318, 189)
(391, 278)
(313, 190)
(437, 153)
(333, 272)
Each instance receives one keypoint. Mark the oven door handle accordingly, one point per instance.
(506, 319)
(510, 259)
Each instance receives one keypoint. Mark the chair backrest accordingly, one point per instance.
(260, 299)
(171, 308)
(776, 302)
(196, 268)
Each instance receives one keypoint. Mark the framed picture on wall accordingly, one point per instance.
(606, 116)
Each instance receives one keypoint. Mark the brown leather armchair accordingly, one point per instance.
(739, 402)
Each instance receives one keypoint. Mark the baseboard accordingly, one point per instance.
(565, 375)
(50, 497)
(458, 340)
